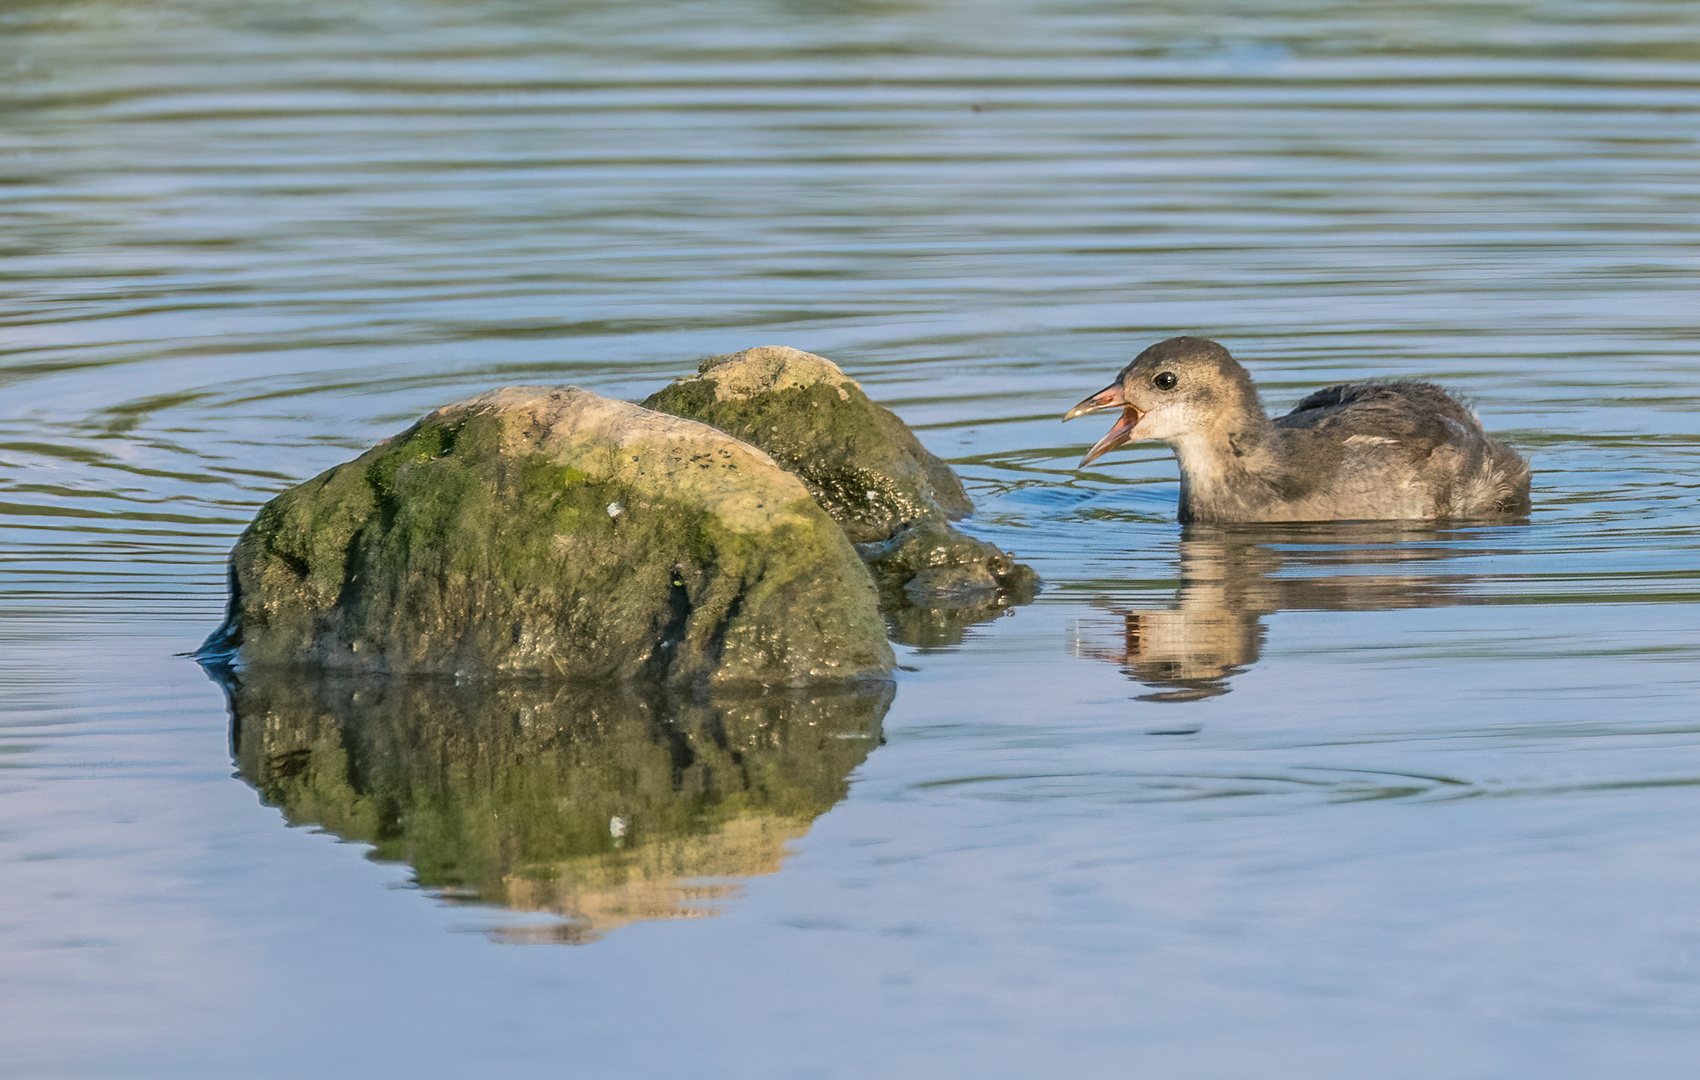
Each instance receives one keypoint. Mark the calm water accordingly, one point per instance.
(1261, 804)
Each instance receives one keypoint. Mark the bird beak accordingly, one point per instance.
(1121, 434)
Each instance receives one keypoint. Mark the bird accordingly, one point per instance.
(1371, 451)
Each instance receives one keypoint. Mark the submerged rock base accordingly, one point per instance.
(934, 582)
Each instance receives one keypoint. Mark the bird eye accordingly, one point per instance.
(1165, 380)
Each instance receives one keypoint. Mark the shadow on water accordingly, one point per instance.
(601, 805)
(1230, 579)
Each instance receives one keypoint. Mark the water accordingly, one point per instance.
(1218, 804)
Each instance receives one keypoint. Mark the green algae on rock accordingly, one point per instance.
(550, 531)
(867, 469)
(863, 464)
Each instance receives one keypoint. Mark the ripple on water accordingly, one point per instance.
(1268, 791)
(245, 242)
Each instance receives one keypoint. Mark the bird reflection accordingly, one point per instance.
(1231, 578)
(602, 806)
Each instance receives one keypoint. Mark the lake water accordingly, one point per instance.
(1306, 802)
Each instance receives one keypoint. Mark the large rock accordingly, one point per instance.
(549, 531)
(869, 471)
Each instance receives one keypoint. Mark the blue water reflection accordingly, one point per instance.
(1423, 804)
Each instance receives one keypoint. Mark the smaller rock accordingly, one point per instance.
(862, 464)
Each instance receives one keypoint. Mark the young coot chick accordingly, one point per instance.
(1364, 451)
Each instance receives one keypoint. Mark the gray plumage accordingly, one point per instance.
(1363, 451)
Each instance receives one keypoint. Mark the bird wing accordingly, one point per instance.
(1406, 449)
(1416, 417)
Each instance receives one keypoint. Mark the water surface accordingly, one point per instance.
(1219, 804)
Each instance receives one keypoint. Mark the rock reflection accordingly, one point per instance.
(604, 806)
(942, 622)
(1231, 578)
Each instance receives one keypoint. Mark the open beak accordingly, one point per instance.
(1119, 435)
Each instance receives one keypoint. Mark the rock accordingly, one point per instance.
(549, 531)
(931, 560)
(605, 805)
(865, 468)
(934, 582)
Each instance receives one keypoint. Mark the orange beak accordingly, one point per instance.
(1121, 434)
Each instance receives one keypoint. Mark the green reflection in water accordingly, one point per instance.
(603, 805)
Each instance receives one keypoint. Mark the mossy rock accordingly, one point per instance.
(605, 805)
(865, 467)
(863, 464)
(935, 582)
(550, 531)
